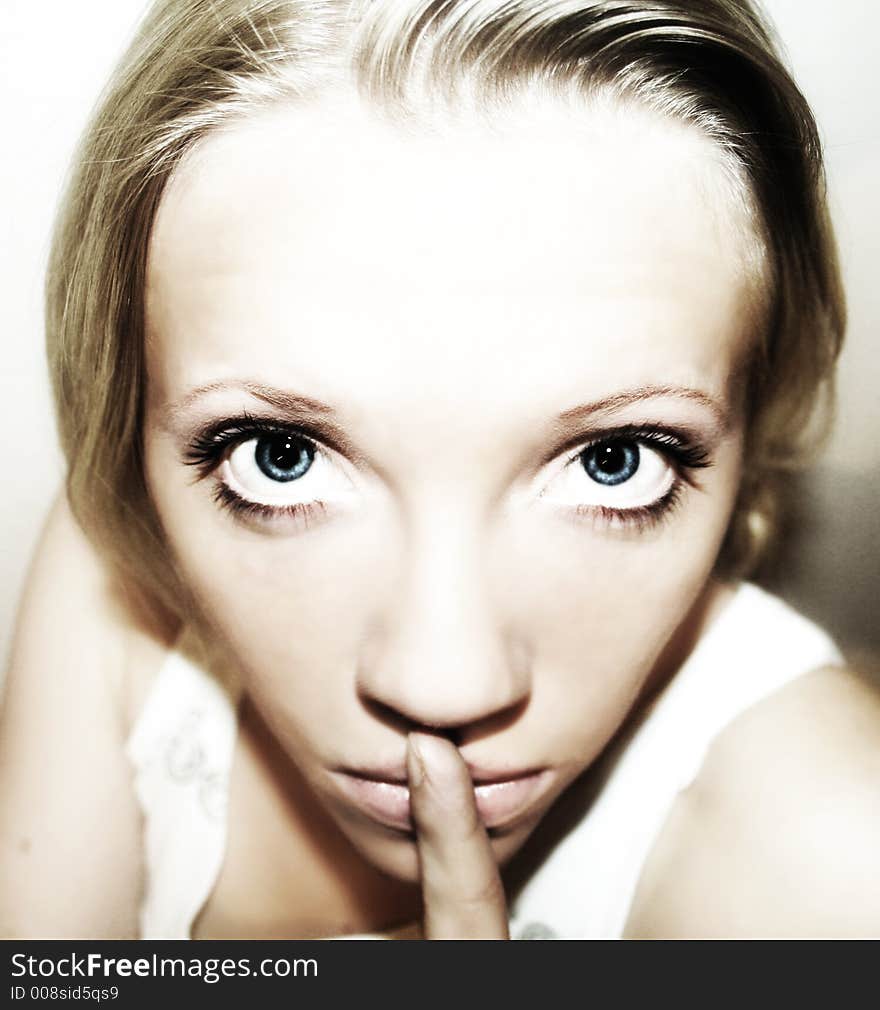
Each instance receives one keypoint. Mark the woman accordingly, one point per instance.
(425, 373)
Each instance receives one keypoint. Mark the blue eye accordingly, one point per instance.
(283, 457)
(611, 463)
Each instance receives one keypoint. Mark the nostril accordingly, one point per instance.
(402, 723)
(388, 715)
(454, 736)
(459, 732)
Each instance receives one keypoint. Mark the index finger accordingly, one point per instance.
(461, 886)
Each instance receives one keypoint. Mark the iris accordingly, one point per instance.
(611, 463)
(283, 457)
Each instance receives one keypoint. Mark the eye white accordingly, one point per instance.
(323, 480)
(572, 484)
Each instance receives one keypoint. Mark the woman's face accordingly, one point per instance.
(443, 430)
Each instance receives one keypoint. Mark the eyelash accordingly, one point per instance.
(209, 446)
(678, 448)
(227, 499)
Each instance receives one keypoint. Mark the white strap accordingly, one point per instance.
(181, 750)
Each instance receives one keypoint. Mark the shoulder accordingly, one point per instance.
(74, 609)
(779, 835)
(79, 643)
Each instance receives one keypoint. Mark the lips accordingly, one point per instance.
(501, 799)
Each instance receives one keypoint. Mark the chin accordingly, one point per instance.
(392, 852)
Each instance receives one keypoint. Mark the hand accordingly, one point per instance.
(462, 892)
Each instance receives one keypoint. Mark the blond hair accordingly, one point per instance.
(197, 65)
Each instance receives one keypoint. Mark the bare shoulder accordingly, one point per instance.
(71, 599)
(779, 835)
(70, 832)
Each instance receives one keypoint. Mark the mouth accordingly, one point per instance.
(501, 801)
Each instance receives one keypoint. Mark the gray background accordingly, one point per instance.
(54, 59)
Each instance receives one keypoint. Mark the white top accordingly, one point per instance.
(583, 886)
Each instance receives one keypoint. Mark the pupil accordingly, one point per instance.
(611, 462)
(283, 457)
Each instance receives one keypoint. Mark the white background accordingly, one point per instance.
(54, 59)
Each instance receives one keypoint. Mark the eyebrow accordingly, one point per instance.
(297, 405)
(281, 399)
(625, 398)
(309, 412)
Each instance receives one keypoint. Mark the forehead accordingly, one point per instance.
(550, 256)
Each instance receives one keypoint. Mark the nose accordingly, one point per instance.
(439, 656)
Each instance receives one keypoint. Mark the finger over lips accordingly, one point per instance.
(461, 887)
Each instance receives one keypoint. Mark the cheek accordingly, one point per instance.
(611, 613)
(291, 610)
(601, 607)
(287, 608)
